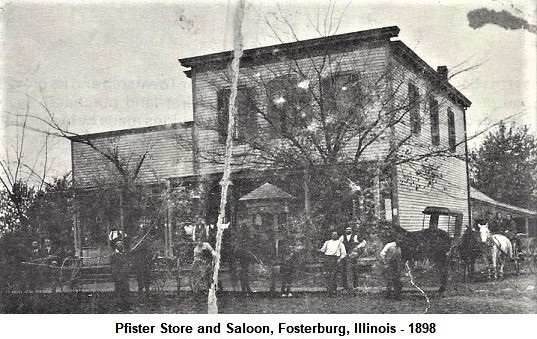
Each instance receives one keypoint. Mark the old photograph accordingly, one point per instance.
(279, 157)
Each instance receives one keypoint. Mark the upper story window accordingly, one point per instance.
(433, 114)
(223, 111)
(288, 103)
(414, 108)
(246, 119)
(451, 131)
(342, 96)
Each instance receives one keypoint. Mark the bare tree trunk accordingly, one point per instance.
(212, 305)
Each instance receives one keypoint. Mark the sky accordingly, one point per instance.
(102, 66)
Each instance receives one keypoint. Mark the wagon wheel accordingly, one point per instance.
(457, 266)
(161, 273)
(53, 277)
(191, 280)
(531, 255)
(70, 274)
(199, 279)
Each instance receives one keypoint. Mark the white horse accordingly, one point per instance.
(497, 247)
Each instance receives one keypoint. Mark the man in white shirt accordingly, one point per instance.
(391, 258)
(334, 253)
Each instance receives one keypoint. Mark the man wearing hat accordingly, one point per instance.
(354, 244)
(120, 274)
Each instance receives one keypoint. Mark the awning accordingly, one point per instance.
(482, 197)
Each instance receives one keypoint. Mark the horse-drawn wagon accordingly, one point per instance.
(50, 273)
(497, 249)
(525, 252)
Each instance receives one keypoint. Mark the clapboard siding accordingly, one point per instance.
(403, 77)
(375, 62)
(167, 150)
(369, 61)
(415, 192)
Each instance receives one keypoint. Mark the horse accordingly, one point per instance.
(469, 251)
(499, 248)
(432, 243)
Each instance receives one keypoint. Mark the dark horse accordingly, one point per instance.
(432, 244)
(469, 251)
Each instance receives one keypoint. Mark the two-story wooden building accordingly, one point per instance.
(353, 126)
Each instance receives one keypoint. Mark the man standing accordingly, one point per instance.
(141, 261)
(334, 253)
(34, 251)
(354, 244)
(48, 253)
(120, 274)
(391, 258)
(349, 240)
(33, 273)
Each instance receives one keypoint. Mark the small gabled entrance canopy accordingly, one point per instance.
(267, 208)
(267, 192)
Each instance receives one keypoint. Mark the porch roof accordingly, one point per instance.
(267, 192)
(482, 197)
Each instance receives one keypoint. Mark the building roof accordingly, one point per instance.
(335, 42)
(482, 197)
(267, 192)
(402, 50)
(348, 38)
(137, 130)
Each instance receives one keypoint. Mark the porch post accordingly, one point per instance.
(121, 213)
(169, 222)
(377, 193)
(77, 232)
(307, 211)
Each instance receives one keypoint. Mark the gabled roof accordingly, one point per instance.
(480, 196)
(267, 192)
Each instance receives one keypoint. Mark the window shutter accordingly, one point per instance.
(451, 131)
(433, 113)
(223, 113)
(414, 108)
(246, 128)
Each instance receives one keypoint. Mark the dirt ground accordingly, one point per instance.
(514, 294)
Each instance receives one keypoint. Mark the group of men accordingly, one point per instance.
(39, 257)
(340, 257)
(506, 225)
(502, 225)
(46, 252)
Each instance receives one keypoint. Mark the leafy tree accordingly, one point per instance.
(50, 217)
(504, 166)
(14, 205)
